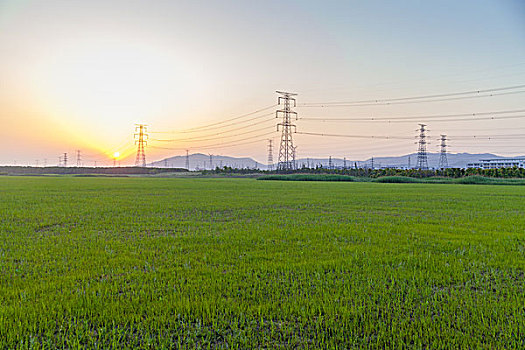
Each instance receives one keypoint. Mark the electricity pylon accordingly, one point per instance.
(443, 161)
(422, 159)
(286, 149)
(140, 160)
(270, 154)
(79, 159)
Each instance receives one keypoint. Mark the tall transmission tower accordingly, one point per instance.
(79, 158)
(188, 160)
(344, 163)
(270, 154)
(211, 162)
(140, 140)
(443, 161)
(330, 165)
(65, 159)
(286, 149)
(422, 158)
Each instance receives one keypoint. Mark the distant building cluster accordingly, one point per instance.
(498, 163)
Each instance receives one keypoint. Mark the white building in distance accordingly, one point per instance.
(498, 163)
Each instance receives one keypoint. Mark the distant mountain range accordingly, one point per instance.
(199, 161)
(455, 160)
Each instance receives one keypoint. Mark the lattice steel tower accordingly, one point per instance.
(270, 154)
(422, 158)
(79, 159)
(286, 149)
(443, 161)
(188, 159)
(140, 160)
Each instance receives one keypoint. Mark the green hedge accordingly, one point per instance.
(308, 177)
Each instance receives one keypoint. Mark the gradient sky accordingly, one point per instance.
(80, 74)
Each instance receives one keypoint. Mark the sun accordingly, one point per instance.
(116, 154)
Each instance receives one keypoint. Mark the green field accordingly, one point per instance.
(240, 263)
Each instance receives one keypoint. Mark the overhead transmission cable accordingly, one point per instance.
(421, 101)
(355, 136)
(221, 145)
(214, 125)
(200, 138)
(474, 116)
(418, 99)
(384, 137)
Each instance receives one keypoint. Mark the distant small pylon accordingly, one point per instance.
(443, 161)
(79, 159)
(270, 155)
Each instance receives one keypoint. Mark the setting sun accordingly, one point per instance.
(116, 154)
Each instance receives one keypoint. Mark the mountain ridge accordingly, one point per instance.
(200, 161)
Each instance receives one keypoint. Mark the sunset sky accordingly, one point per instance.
(78, 75)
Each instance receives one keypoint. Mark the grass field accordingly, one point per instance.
(466, 180)
(239, 263)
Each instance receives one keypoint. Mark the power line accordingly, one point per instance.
(441, 77)
(214, 146)
(385, 137)
(412, 98)
(197, 139)
(214, 128)
(421, 101)
(489, 137)
(207, 126)
(425, 117)
(412, 119)
(355, 136)
(218, 145)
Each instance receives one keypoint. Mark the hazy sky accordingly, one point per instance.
(80, 74)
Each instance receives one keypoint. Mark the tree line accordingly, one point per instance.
(513, 172)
